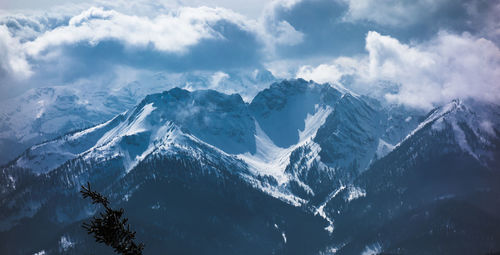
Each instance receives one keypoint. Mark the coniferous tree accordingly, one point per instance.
(109, 227)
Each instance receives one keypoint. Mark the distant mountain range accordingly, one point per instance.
(302, 168)
(45, 113)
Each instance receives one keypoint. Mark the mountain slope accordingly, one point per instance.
(304, 168)
(437, 191)
(142, 158)
(42, 114)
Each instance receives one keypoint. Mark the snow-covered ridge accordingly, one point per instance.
(46, 156)
(220, 117)
(281, 121)
(42, 114)
(309, 145)
(435, 114)
(464, 120)
(165, 121)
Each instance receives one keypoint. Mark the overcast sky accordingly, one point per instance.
(434, 51)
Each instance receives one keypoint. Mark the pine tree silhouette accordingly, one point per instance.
(109, 227)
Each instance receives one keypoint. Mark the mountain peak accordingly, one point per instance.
(468, 125)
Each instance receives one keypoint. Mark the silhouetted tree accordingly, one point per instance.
(109, 227)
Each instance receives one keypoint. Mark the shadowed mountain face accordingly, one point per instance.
(218, 119)
(281, 109)
(303, 169)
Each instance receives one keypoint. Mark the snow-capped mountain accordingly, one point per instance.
(436, 191)
(304, 168)
(42, 114)
(45, 113)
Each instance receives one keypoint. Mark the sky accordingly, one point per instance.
(428, 51)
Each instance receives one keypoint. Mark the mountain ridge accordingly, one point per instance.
(314, 166)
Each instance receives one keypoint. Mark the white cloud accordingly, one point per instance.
(217, 78)
(12, 58)
(450, 66)
(282, 33)
(431, 73)
(172, 32)
(331, 72)
(322, 73)
(22, 26)
(171, 28)
(428, 73)
(274, 31)
(45, 44)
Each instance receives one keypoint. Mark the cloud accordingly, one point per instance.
(422, 19)
(217, 78)
(274, 31)
(173, 32)
(13, 63)
(427, 74)
(331, 72)
(290, 37)
(76, 41)
(23, 27)
(282, 33)
(449, 66)
(338, 27)
(60, 48)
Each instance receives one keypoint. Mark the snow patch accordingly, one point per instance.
(12, 182)
(314, 122)
(65, 243)
(383, 148)
(330, 251)
(354, 193)
(270, 159)
(372, 249)
(126, 197)
(156, 206)
(82, 133)
(126, 129)
(321, 209)
(284, 236)
(41, 108)
(276, 191)
(282, 232)
(462, 140)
